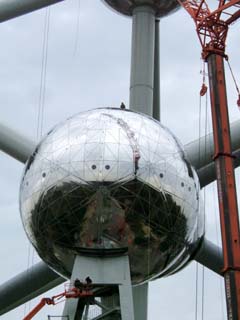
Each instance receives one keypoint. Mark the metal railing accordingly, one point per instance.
(59, 317)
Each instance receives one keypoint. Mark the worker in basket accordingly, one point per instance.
(83, 285)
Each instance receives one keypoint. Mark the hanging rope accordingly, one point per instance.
(40, 117)
(196, 293)
(28, 274)
(218, 236)
(77, 28)
(42, 91)
(204, 88)
(203, 290)
(235, 82)
(203, 116)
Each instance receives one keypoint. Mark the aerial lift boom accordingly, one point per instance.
(212, 29)
(38, 307)
(74, 292)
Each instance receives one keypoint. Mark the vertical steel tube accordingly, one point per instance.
(142, 61)
(140, 301)
(156, 86)
(226, 185)
(144, 96)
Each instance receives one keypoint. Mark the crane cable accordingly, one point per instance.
(218, 237)
(204, 88)
(204, 191)
(204, 197)
(199, 157)
(207, 128)
(201, 153)
(214, 192)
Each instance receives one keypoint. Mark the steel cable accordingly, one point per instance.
(40, 117)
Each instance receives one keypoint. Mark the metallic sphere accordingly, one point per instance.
(162, 7)
(110, 182)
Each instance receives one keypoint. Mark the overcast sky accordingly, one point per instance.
(90, 67)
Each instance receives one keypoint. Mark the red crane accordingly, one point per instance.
(212, 28)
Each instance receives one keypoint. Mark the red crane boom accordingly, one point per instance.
(212, 26)
(212, 29)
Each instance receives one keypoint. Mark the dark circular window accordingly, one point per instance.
(161, 175)
(44, 175)
(94, 166)
(107, 167)
(182, 184)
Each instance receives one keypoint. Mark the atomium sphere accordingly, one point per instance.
(111, 182)
(162, 7)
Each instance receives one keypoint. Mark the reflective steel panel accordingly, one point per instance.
(162, 7)
(110, 182)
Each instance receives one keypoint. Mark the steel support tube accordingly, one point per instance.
(20, 147)
(27, 285)
(142, 60)
(156, 85)
(201, 151)
(15, 144)
(207, 174)
(210, 256)
(10, 9)
(140, 301)
(227, 196)
(40, 278)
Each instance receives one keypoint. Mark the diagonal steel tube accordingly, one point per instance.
(10, 9)
(19, 289)
(27, 285)
(207, 174)
(15, 144)
(200, 152)
(210, 256)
